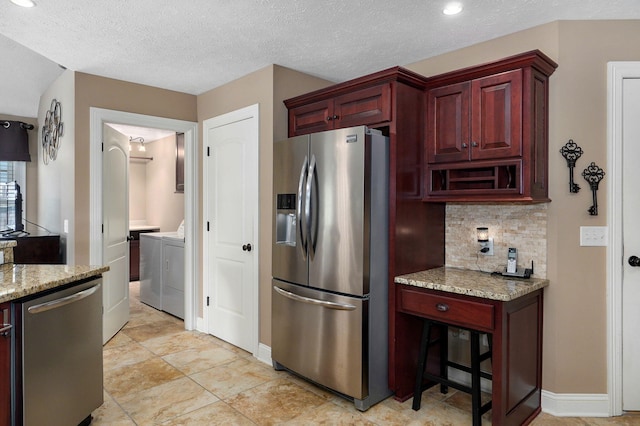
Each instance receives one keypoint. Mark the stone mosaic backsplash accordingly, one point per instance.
(523, 226)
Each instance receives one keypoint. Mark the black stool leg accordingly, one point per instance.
(422, 360)
(476, 402)
(444, 357)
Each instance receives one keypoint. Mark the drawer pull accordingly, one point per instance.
(442, 307)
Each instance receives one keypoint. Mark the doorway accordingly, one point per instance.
(623, 280)
(100, 117)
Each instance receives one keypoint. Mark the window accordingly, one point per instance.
(12, 186)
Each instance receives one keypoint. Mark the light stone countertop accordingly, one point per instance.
(18, 281)
(473, 283)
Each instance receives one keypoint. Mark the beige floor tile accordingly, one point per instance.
(151, 330)
(192, 361)
(218, 413)
(128, 354)
(120, 339)
(110, 414)
(132, 379)
(172, 343)
(227, 380)
(330, 414)
(167, 401)
(275, 402)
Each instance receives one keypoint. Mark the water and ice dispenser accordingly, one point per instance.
(286, 221)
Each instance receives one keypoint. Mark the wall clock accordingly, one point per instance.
(51, 132)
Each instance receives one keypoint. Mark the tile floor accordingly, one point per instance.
(155, 372)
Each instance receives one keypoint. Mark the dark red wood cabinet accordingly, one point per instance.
(5, 365)
(516, 329)
(487, 131)
(366, 106)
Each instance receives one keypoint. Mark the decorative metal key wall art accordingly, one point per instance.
(593, 174)
(571, 152)
(51, 132)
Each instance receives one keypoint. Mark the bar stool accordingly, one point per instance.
(443, 379)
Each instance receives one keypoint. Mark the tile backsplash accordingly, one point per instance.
(523, 226)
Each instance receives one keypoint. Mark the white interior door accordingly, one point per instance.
(115, 193)
(631, 244)
(231, 216)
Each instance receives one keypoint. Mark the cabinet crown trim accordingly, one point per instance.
(398, 74)
(534, 59)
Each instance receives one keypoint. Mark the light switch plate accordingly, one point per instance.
(592, 236)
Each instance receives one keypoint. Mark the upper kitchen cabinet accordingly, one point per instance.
(361, 107)
(366, 101)
(487, 131)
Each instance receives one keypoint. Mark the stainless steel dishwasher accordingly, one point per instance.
(61, 354)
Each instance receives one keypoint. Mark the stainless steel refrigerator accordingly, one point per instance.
(330, 261)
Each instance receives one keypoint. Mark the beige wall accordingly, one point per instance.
(138, 191)
(575, 312)
(100, 92)
(166, 206)
(31, 190)
(56, 180)
(267, 87)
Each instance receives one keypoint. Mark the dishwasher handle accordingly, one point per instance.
(58, 303)
(323, 303)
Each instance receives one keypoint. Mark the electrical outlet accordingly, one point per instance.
(592, 236)
(487, 245)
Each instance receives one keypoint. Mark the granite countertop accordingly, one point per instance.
(17, 281)
(473, 283)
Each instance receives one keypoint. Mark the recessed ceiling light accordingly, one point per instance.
(452, 8)
(23, 3)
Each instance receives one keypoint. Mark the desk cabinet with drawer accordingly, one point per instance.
(516, 329)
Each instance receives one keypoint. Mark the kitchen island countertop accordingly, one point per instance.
(472, 283)
(18, 281)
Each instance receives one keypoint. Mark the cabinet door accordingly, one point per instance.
(448, 123)
(310, 118)
(496, 105)
(5, 367)
(363, 107)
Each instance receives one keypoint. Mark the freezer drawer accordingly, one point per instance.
(319, 335)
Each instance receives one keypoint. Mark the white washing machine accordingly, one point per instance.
(162, 271)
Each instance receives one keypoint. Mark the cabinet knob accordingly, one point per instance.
(442, 307)
(329, 118)
(335, 117)
(246, 247)
(464, 144)
(474, 144)
(634, 261)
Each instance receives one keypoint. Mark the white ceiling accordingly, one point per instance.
(196, 45)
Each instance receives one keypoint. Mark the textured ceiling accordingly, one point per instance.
(196, 45)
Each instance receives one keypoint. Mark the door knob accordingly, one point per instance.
(246, 247)
(634, 261)
(129, 238)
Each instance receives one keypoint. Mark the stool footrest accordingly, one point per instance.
(466, 369)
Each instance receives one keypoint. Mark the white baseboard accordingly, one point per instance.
(575, 404)
(264, 353)
(200, 325)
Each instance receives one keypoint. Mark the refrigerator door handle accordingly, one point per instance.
(301, 186)
(308, 209)
(309, 300)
